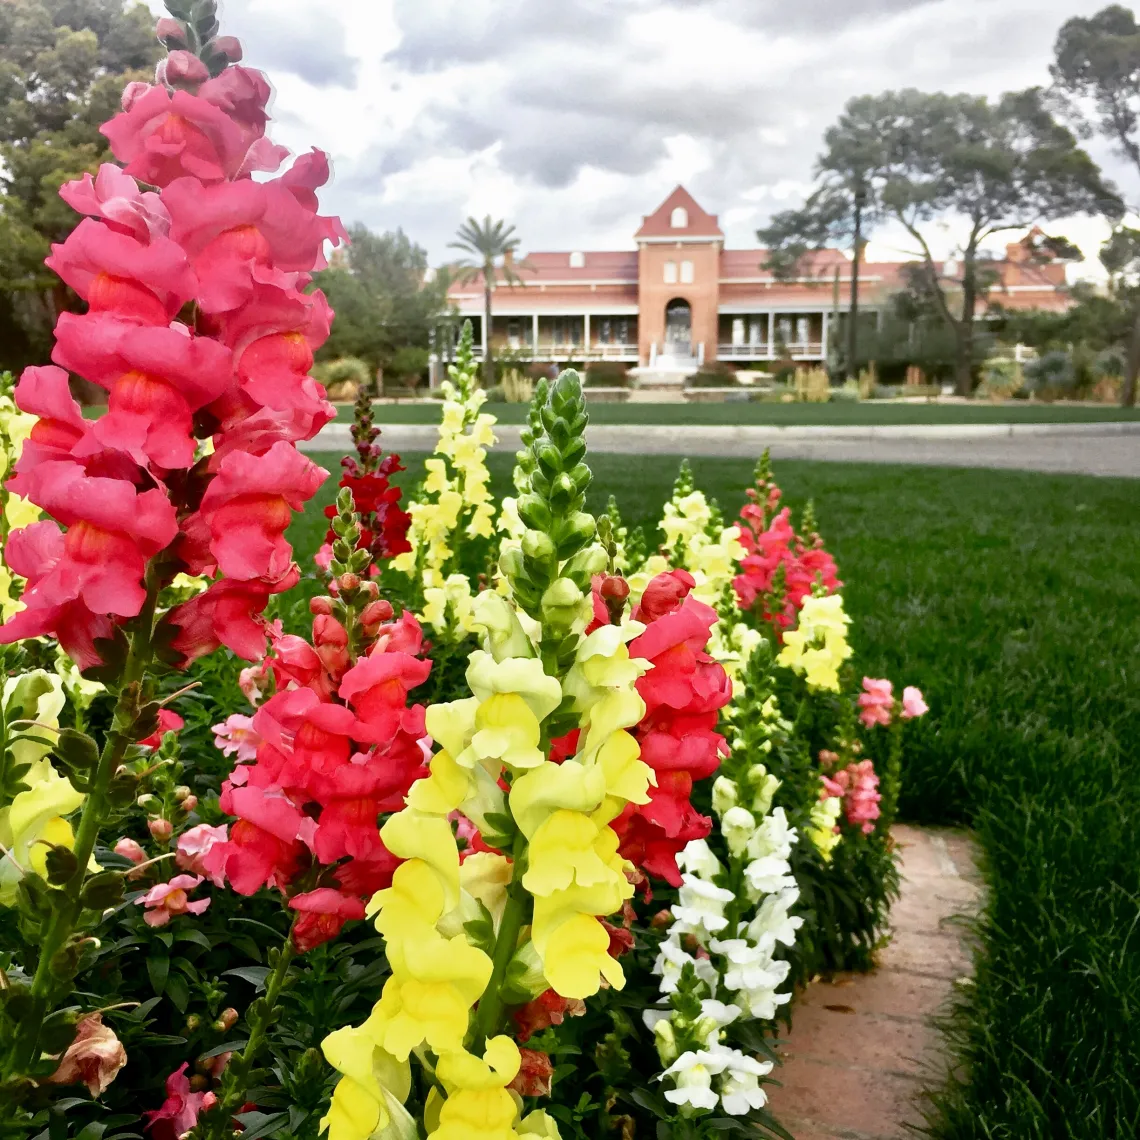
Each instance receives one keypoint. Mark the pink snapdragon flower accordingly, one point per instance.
(168, 721)
(166, 900)
(129, 849)
(860, 791)
(179, 1112)
(913, 703)
(876, 702)
(194, 845)
(236, 736)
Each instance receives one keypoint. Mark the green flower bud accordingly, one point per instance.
(538, 545)
(725, 795)
(666, 1041)
(584, 565)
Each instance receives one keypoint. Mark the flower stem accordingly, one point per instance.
(489, 1015)
(67, 902)
(218, 1122)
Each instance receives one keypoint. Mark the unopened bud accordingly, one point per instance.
(375, 613)
(168, 29)
(160, 829)
(189, 803)
(349, 581)
(371, 588)
(228, 1018)
(321, 606)
(199, 1082)
(181, 793)
(193, 1022)
(229, 47)
(614, 586)
(145, 800)
(661, 919)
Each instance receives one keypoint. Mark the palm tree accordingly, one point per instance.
(491, 247)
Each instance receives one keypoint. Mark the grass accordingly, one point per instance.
(1013, 601)
(876, 412)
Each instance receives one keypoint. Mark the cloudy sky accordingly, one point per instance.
(572, 118)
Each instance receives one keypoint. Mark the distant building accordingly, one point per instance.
(680, 296)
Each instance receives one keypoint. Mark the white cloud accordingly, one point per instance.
(572, 118)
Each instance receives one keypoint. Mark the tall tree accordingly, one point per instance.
(1096, 67)
(384, 297)
(491, 247)
(842, 209)
(990, 166)
(63, 66)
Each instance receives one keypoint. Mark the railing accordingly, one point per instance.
(549, 350)
(796, 349)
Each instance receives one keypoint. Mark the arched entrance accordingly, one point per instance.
(678, 328)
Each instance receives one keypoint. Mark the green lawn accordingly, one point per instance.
(876, 412)
(1013, 601)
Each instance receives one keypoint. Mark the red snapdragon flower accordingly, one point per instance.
(333, 749)
(683, 694)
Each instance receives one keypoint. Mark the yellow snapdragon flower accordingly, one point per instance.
(818, 646)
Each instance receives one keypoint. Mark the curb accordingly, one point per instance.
(682, 438)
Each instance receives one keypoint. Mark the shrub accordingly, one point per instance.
(344, 377)
(607, 374)
(714, 374)
(1051, 375)
(813, 385)
(517, 386)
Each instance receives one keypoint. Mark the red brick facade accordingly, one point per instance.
(682, 295)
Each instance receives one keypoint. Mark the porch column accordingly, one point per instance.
(823, 338)
(586, 332)
(771, 334)
(534, 334)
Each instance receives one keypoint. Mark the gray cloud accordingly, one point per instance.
(555, 90)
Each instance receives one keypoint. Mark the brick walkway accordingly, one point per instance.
(863, 1046)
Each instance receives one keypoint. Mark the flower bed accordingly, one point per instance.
(534, 830)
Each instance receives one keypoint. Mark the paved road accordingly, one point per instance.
(1088, 449)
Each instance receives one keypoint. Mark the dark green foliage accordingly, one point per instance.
(383, 302)
(1011, 600)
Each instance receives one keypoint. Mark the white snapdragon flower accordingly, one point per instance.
(697, 858)
(772, 920)
(717, 1014)
(700, 907)
(671, 960)
(774, 836)
(737, 825)
(766, 876)
(750, 968)
(740, 1090)
(692, 1073)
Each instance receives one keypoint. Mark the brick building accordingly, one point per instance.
(680, 298)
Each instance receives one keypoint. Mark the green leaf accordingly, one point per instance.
(255, 975)
(193, 934)
(158, 967)
(481, 931)
(258, 1124)
(178, 990)
(226, 1047)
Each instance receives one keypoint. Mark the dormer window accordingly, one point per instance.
(679, 219)
(577, 260)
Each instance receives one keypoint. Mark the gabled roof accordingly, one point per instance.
(657, 224)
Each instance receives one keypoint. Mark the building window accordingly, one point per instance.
(670, 273)
(679, 219)
(803, 326)
(577, 260)
(738, 330)
(686, 273)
